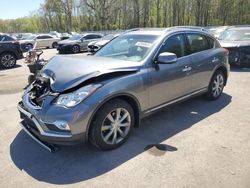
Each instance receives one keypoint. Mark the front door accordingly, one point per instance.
(171, 81)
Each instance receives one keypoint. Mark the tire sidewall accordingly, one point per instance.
(54, 44)
(96, 134)
(210, 95)
(75, 52)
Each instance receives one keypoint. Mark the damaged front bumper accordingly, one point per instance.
(46, 134)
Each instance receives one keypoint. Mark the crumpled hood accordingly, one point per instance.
(67, 41)
(68, 72)
(102, 42)
(227, 44)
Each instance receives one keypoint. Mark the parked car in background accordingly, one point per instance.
(10, 51)
(43, 41)
(56, 34)
(216, 31)
(65, 36)
(100, 98)
(94, 46)
(77, 43)
(237, 41)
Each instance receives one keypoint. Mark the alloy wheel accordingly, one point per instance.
(218, 85)
(115, 126)
(8, 61)
(75, 49)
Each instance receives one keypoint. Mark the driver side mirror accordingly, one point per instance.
(166, 58)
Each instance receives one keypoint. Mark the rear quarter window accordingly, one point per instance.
(197, 42)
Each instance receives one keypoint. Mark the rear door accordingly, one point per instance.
(171, 81)
(204, 57)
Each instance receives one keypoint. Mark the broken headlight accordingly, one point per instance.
(74, 98)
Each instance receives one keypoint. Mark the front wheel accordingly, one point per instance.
(112, 125)
(75, 49)
(216, 86)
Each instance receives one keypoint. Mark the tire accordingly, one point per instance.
(106, 135)
(54, 45)
(30, 46)
(31, 78)
(75, 49)
(216, 86)
(7, 60)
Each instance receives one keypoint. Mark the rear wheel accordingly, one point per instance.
(54, 45)
(75, 49)
(216, 86)
(112, 125)
(7, 60)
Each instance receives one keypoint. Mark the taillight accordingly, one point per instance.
(226, 51)
(16, 42)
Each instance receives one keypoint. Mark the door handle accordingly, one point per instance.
(186, 69)
(215, 59)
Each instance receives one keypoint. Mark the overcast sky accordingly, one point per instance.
(11, 9)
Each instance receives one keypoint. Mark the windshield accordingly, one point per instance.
(129, 47)
(233, 35)
(31, 37)
(75, 37)
(109, 37)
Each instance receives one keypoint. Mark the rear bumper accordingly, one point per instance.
(34, 129)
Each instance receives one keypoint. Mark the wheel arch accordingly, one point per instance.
(8, 51)
(123, 96)
(223, 70)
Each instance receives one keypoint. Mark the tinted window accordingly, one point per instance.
(175, 44)
(197, 43)
(6, 38)
(90, 37)
(211, 42)
(44, 37)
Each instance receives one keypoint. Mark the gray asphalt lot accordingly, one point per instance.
(196, 143)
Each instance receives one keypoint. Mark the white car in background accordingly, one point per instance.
(43, 41)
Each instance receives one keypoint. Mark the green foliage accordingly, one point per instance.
(81, 15)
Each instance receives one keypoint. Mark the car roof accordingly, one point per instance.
(239, 28)
(161, 31)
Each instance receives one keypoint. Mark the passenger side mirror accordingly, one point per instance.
(166, 58)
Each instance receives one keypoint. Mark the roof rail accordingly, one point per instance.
(187, 27)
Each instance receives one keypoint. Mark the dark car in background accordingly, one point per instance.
(77, 43)
(237, 41)
(10, 51)
(94, 46)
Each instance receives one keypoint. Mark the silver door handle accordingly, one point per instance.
(215, 60)
(186, 68)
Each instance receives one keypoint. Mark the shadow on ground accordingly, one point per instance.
(237, 69)
(16, 66)
(83, 162)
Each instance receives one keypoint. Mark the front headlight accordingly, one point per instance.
(74, 98)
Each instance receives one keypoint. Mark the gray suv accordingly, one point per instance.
(101, 98)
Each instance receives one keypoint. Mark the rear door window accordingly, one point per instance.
(197, 42)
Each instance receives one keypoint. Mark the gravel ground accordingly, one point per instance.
(193, 144)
